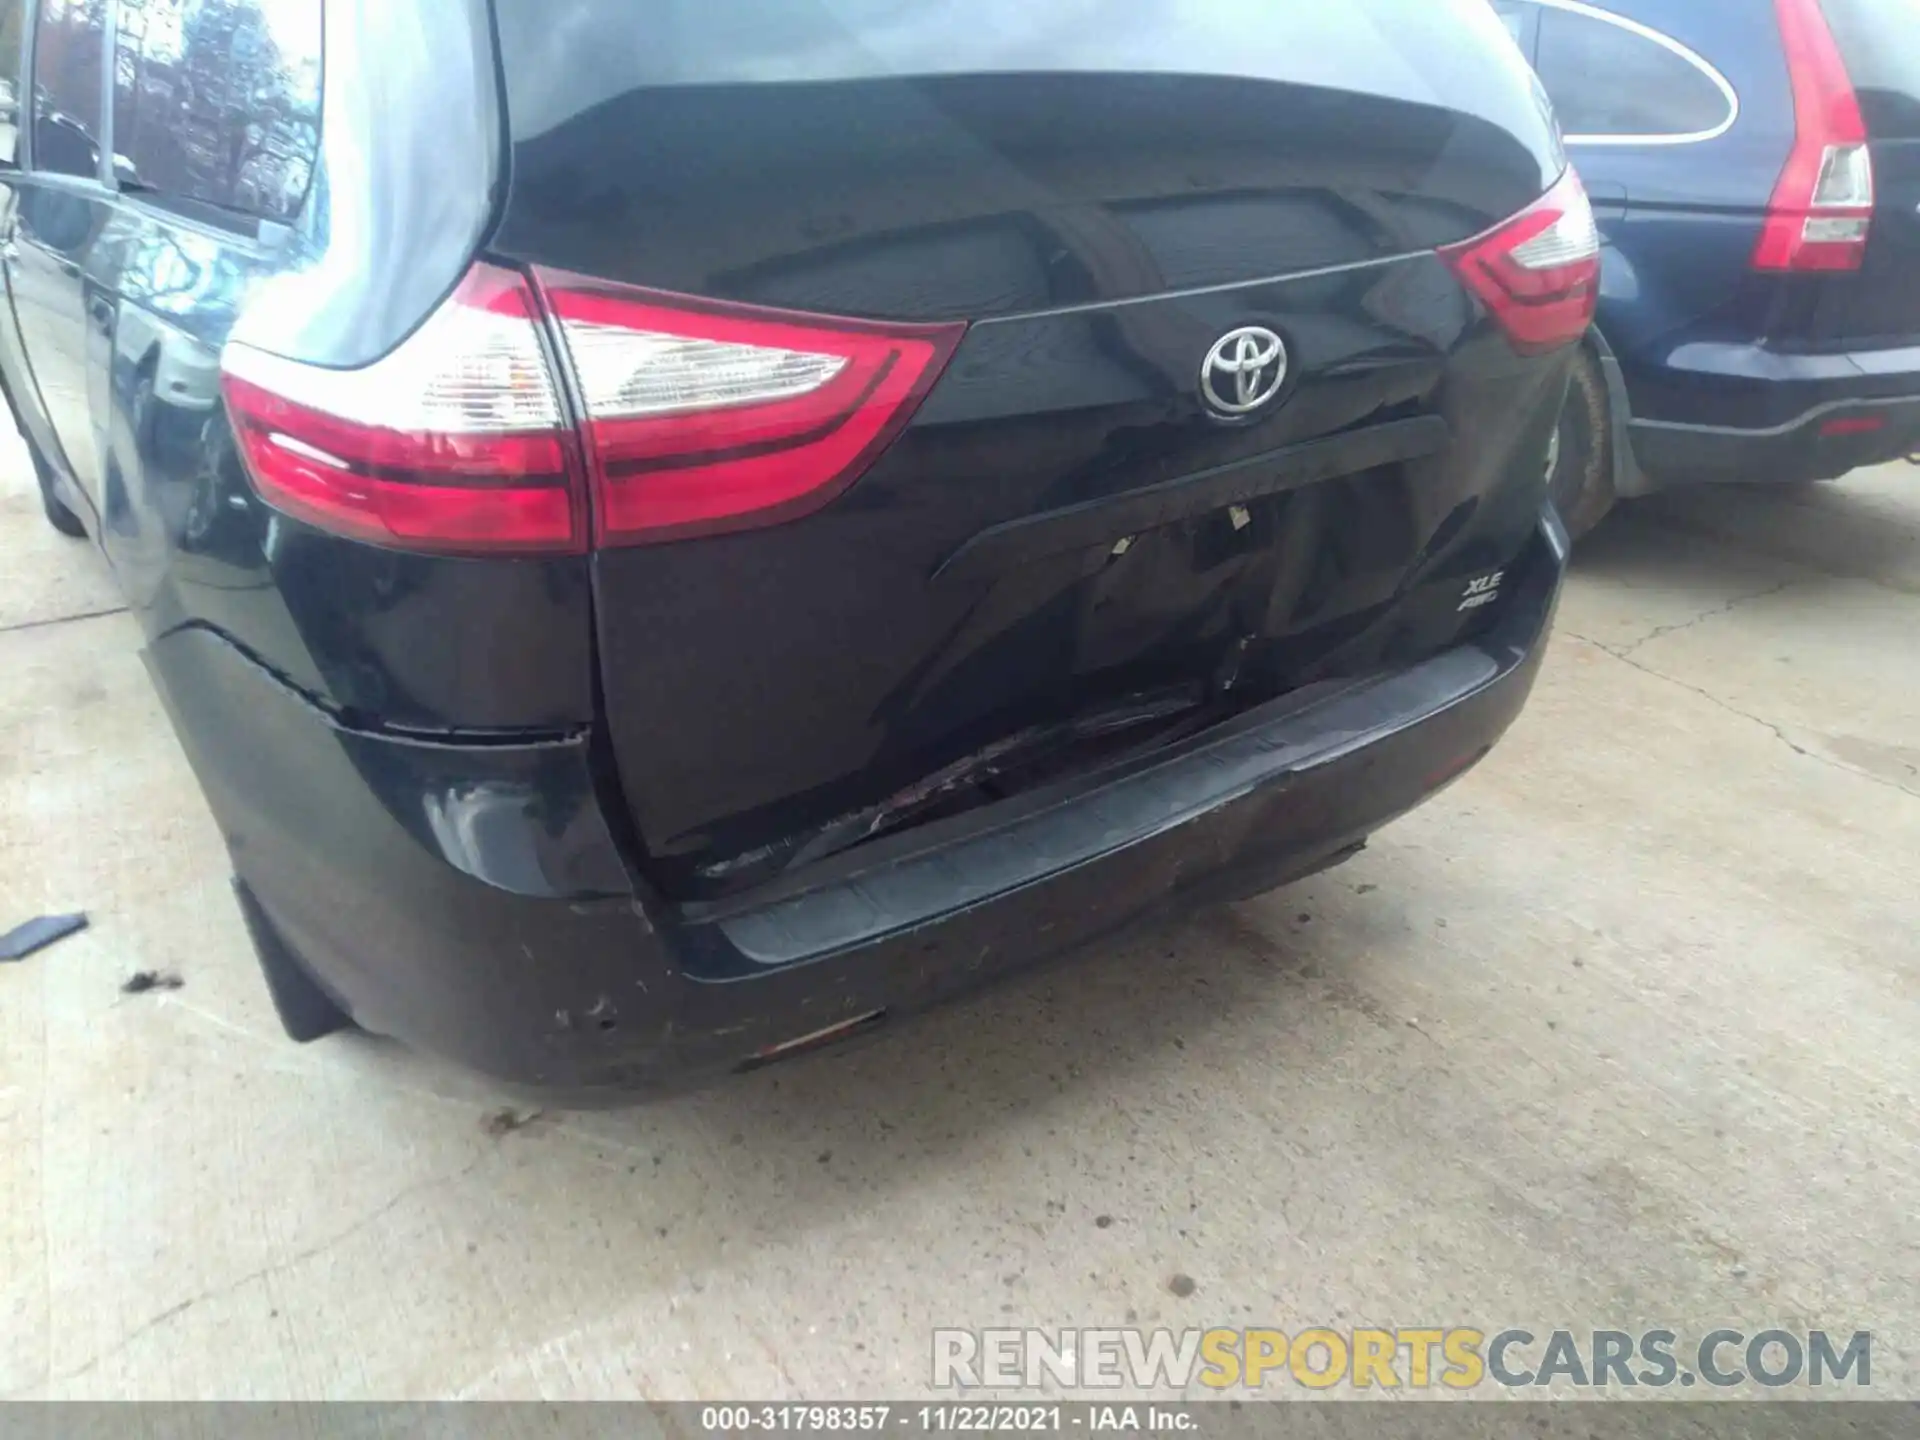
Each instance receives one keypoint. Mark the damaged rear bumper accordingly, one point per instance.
(471, 898)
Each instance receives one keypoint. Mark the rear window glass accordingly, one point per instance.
(69, 55)
(1880, 41)
(12, 12)
(563, 59)
(1514, 15)
(218, 101)
(1611, 80)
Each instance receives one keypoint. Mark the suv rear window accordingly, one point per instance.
(1612, 78)
(1880, 41)
(218, 102)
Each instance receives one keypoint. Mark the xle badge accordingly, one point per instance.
(1483, 591)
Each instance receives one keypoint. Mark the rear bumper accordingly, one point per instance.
(1744, 413)
(1805, 450)
(469, 899)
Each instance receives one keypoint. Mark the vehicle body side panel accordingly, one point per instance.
(416, 643)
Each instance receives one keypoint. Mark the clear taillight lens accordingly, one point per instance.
(1846, 178)
(1538, 273)
(638, 374)
(452, 442)
(704, 417)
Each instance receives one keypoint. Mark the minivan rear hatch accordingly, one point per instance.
(1064, 552)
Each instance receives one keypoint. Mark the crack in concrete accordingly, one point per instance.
(1780, 734)
(126, 1342)
(60, 620)
(1728, 608)
(1730, 540)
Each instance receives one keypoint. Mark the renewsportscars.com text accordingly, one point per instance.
(1454, 1358)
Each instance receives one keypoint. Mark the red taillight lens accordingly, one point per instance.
(698, 418)
(1822, 207)
(1538, 273)
(702, 418)
(452, 442)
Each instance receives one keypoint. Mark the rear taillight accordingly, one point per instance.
(452, 442)
(697, 418)
(1538, 273)
(702, 418)
(1822, 207)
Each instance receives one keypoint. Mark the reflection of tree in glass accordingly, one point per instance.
(68, 55)
(10, 31)
(221, 111)
(69, 52)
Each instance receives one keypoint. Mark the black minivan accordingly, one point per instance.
(675, 534)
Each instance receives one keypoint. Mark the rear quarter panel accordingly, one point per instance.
(401, 199)
(1680, 220)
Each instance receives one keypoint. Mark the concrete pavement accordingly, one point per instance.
(1619, 1032)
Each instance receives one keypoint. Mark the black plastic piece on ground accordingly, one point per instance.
(141, 981)
(306, 1011)
(23, 940)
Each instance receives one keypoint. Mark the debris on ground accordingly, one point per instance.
(1182, 1285)
(506, 1121)
(37, 934)
(142, 981)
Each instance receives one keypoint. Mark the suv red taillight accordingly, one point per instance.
(698, 418)
(1538, 273)
(1822, 207)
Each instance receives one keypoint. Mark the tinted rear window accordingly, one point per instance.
(562, 57)
(1614, 80)
(1880, 41)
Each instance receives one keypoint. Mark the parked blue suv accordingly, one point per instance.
(1755, 171)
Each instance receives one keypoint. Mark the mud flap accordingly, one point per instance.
(306, 1011)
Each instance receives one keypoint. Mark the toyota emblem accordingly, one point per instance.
(1244, 370)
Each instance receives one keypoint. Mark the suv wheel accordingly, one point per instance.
(1580, 461)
